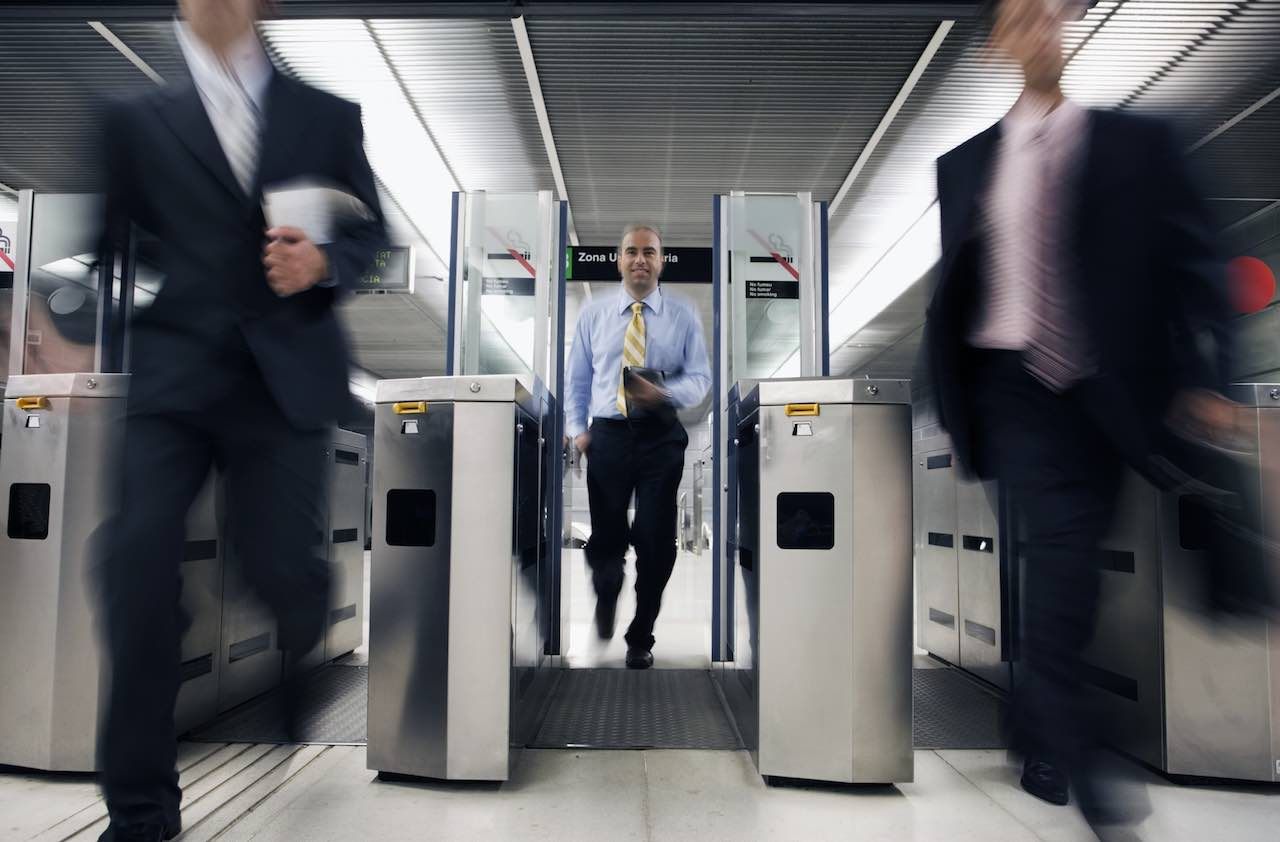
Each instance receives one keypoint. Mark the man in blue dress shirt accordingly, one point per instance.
(626, 425)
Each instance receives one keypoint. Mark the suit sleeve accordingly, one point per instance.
(1200, 312)
(351, 253)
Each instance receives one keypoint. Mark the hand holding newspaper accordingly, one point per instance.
(318, 209)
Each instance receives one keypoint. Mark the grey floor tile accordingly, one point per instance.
(718, 796)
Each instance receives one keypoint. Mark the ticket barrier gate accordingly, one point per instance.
(820, 683)
(457, 672)
(61, 433)
(1181, 691)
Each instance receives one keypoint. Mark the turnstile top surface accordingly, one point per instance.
(471, 388)
(827, 390)
(84, 385)
(1260, 395)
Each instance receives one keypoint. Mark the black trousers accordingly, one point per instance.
(1063, 477)
(275, 479)
(647, 459)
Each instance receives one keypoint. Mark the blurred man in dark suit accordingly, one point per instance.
(1079, 310)
(239, 362)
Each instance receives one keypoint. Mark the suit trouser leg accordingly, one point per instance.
(609, 488)
(1063, 479)
(166, 461)
(659, 464)
(276, 483)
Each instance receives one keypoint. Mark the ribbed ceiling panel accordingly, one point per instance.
(1200, 61)
(652, 118)
(466, 80)
(156, 44)
(56, 77)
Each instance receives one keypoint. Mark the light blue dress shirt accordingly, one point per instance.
(673, 345)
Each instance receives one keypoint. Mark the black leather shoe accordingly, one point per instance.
(639, 659)
(138, 833)
(1045, 782)
(606, 614)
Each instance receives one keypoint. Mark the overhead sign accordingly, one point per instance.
(680, 264)
(392, 271)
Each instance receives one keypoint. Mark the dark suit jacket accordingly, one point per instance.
(215, 318)
(1143, 267)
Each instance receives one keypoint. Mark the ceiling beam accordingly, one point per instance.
(137, 60)
(1236, 120)
(922, 64)
(544, 121)
(111, 10)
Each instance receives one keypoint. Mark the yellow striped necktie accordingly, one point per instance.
(632, 351)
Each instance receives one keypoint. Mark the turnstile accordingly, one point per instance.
(348, 457)
(964, 586)
(820, 684)
(61, 436)
(457, 669)
(1181, 691)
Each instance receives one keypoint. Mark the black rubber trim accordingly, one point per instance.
(978, 543)
(337, 615)
(200, 550)
(935, 462)
(942, 618)
(345, 536)
(941, 539)
(980, 632)
(1120, 562)
(197, 667)
(1112, 682)
(247, 648)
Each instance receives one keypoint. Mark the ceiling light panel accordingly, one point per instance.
(465, 78)
(400, 149)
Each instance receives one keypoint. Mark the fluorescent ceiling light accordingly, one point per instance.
(1116, 50)
(340, 56)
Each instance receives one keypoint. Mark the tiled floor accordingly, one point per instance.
(317, 793)
(269, 793)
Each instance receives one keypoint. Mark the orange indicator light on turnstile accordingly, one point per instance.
(409, 407)
(31, 404)
(802, 409)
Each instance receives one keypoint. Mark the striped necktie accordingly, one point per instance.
(240, 124)
(632, 352)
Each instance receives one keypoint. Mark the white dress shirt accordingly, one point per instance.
(233, 91)
(1033, 139)
(673, 345)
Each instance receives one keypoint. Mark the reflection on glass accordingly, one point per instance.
(498, 284)
(766, 234)
(62, 312)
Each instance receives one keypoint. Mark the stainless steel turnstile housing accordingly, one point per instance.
(61, 435)
(1185, 693)
(963, 563)
(456, 652)
(820, 684)
(348, 456)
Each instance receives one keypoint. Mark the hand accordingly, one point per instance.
(645, 394)
(1205, 414)
(294, 264)
(583, 441)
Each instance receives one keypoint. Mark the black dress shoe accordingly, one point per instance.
(606, 613)
(639, 659)
(1045, 782)
(139, 833)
